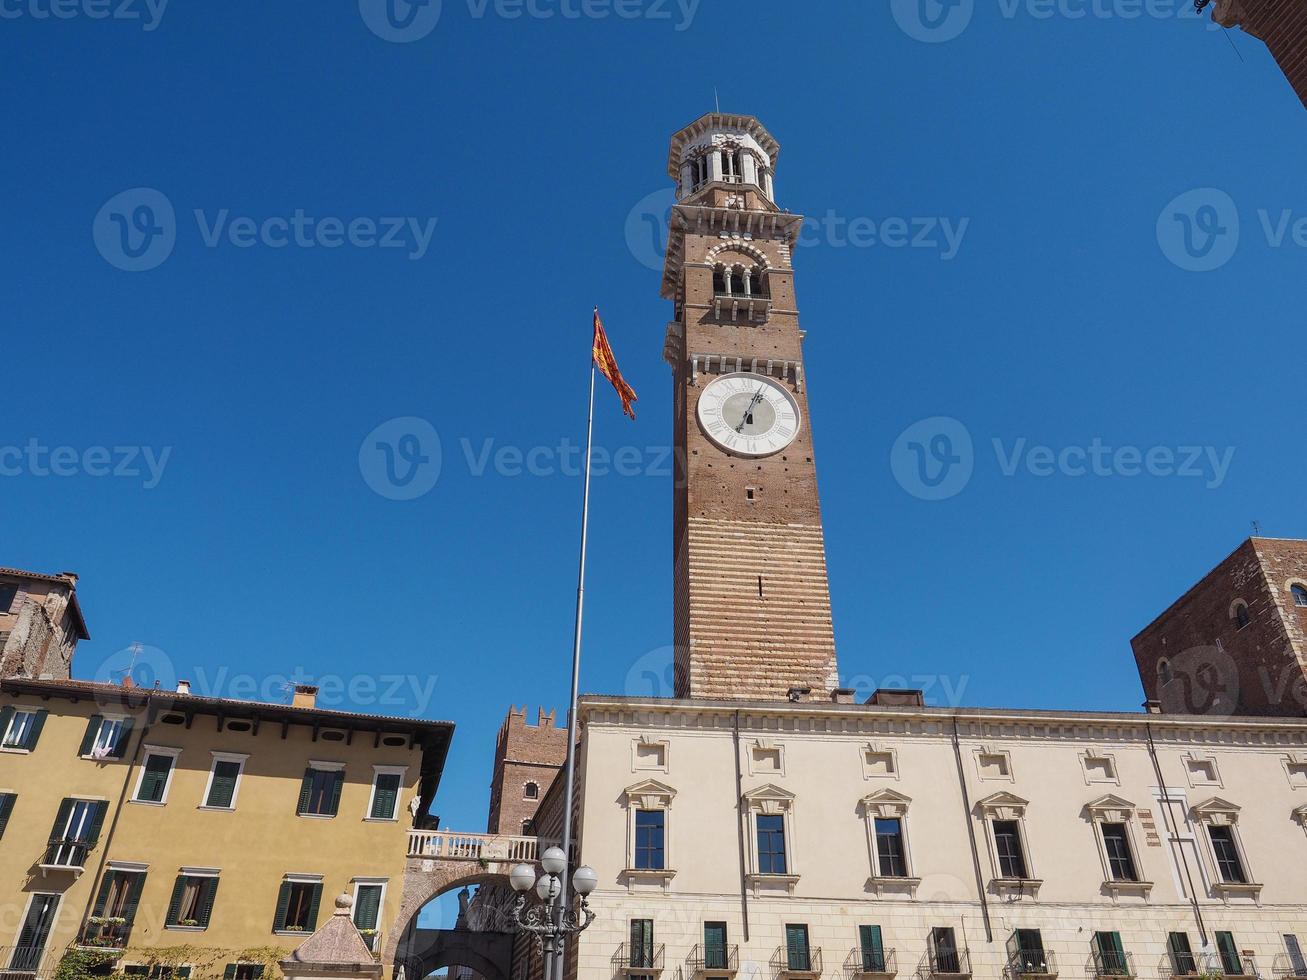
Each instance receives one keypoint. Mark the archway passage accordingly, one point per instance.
(488, 954)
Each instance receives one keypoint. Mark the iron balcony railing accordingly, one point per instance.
(946, 963)
(796, 962)
(1179, 965)
(1111, 963)
(1285, 966)
(715, 958)
(1215, 964)
(1032, 963)
(20, 959)
(639, 958)
(870, 962)
(106, 933)
(66, 854)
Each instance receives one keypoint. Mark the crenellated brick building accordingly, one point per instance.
(527, 758)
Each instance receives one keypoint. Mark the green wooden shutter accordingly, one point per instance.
(124, 738)
(283, 901)
(133, 902)
(155, 778)
(256, 971)
(182, 971)
(306, 791)
(386, 796)
(175, 905)
(223, 788)
(1230, 959)
(7, 801)
(34, 733)
(61, 820)
(92, 730)
(314, 902)
(102, 899)
(367, 911)
(230, 972)
(98, 809)
(336, 785)
(873, 950)
(208, 889)
(6, 716)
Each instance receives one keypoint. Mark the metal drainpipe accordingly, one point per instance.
(971, 834)
(1173, 826)
(113, 824)
(739, 828)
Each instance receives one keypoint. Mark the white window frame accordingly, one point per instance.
(649, 794)
(106, 719)
(149, 750)
(1114, 809)
(237, 757)
(983, 751)
(771, 800)
(378, 771)
(27, 713)
(54, 925)
(364, 882)
(1217, 812)
(1201, 759)
(1008, 806)
(89, 801)
(1094, 755)
(875, 748)
(767, 746)
(886, 804)
(647, 741)
(1292, 761)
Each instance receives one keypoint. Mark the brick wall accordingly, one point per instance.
(525, 755)
(1196, 658)
(1281, 24)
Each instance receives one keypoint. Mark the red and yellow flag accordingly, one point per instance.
(607, 365)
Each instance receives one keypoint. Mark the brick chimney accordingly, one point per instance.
(306, 696)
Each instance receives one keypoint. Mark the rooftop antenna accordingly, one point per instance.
(1257, 529)
(716, 98)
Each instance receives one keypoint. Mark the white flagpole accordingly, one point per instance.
(570, 768)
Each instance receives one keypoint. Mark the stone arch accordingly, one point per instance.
(738, 245)
(426, 880)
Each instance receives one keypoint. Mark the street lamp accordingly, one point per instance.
(552, 920)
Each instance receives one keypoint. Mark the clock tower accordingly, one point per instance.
(752, 616)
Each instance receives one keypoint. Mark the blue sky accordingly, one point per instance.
(1071, 320)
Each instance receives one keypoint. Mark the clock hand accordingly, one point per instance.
(749, 409)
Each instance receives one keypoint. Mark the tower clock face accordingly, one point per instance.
(749, 414)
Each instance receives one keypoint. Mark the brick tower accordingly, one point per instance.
(1235, 643)
(40, 624)
(1280, 24)
(527, 758)
(752, 603)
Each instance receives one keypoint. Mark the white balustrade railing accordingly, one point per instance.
(453, 846)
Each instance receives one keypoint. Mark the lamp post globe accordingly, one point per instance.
(522, 877)
(554, 860)
(584, 880)
(548, 888)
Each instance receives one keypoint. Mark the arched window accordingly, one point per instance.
(531, 791)
(739, 281)
(1299, 595)
(699, 171)
(732, 166)
(1241, 616)
(528, 827)
(719, 280)
(1164, 671)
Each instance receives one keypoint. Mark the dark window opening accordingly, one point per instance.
(1011, 856)
(889, 848)
(771, 844)
(649, 838)
(1119, 859)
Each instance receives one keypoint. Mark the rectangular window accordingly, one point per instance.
(1231, 961)
(1228, 862)
(1026, 952)
(224, 778)
(872, 948)
(7, 801)
(944, 954)
(889, 848)
(1007, 842)
(385, 795)
(1109, 956)
(714, 946)
(797, 952)
(243, 971)
(19, 729)
(1182, 955)
(771, 844)
(192, 902)
(1297, 962)
(320, 792)
(75, 833)
(106, 738)
(110, 924)
(642, 944)
(297, 906)
(367, 911)
(649, 837)
(8, 592)
(26, 955)
(152, 786)
(1120, 861)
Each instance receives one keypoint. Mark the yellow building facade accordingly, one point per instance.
(193, 835)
